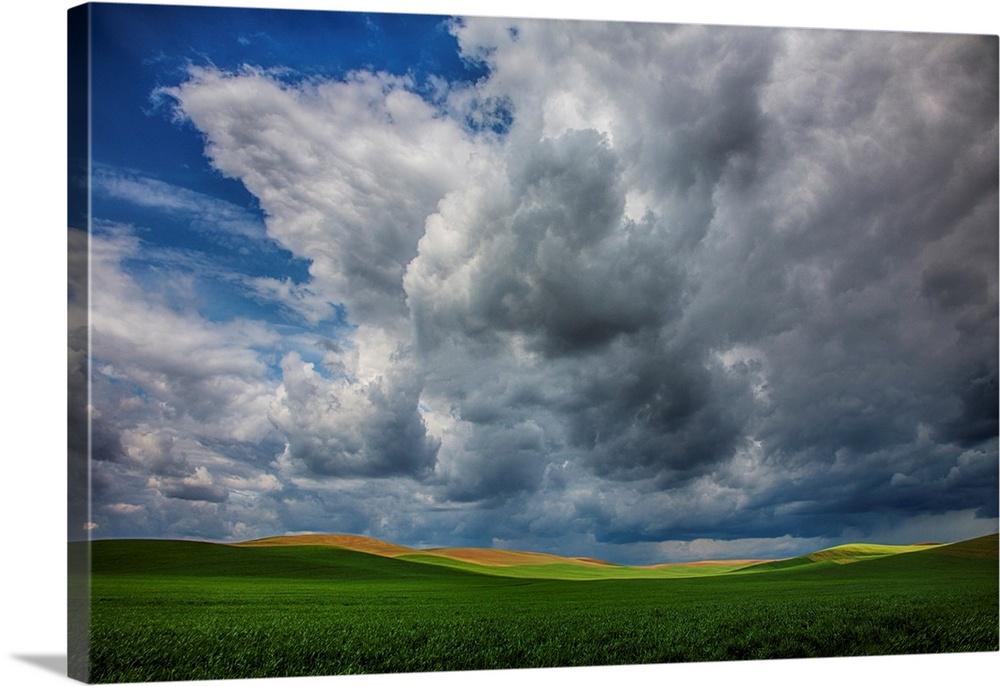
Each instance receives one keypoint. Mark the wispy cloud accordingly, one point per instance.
(203, 213)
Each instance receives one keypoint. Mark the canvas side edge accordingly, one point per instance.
(78, 348)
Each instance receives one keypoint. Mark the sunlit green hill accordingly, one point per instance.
(862, 558)
(855, 552)
(840, 555)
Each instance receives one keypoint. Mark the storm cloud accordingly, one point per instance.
(636, 287)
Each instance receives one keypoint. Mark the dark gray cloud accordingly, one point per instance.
(808, 272)
(208, 493)
(977, 421)
(666, 416)
(550, 256)
(498, 461)
(334, 427)
(77, 396)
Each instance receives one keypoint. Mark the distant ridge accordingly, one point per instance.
(487, 557)
(491, 557)
(496, 557)
(711, 563)
(363, 544)
(983, 546)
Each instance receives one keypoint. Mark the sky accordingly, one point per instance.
(636, 291)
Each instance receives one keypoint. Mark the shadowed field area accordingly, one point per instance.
(167, 610)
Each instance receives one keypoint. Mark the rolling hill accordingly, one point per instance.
(526, 564)
(374, 546)
(502, 562)
(164, 610)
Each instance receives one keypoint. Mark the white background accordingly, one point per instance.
(33, 382)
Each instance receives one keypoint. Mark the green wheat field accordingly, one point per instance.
(169, 610)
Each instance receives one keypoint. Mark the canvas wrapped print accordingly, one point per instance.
(411, 343)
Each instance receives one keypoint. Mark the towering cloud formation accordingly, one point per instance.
(640, 283)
